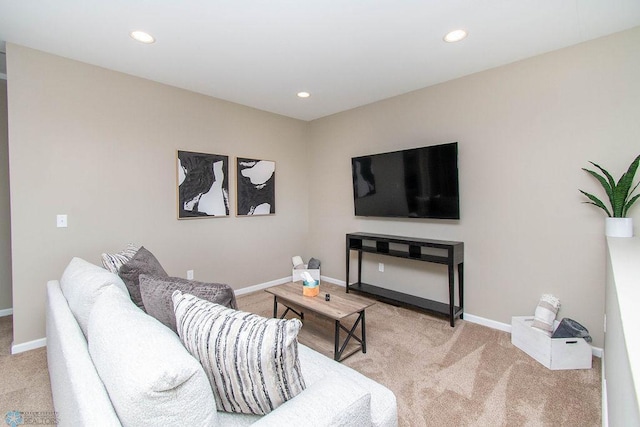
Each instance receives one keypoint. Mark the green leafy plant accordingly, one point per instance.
(620, 193)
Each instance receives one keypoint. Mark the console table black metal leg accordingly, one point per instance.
(359, 267)
(461, 288)
(348, 262)
(451, 296)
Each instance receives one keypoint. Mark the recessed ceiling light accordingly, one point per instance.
(455, 36)
(303, 94)
(142, 37)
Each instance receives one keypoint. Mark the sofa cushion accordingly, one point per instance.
(113, 262)
(82, 283)
(156, 295)
(317, 367)
(143, 262)
(328, 402)
(252, 362)
(152, 380)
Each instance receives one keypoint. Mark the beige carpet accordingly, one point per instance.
(24, 378)
(442, 376)
(469, 375)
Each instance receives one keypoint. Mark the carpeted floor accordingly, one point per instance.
(469, 375)
(24, 378)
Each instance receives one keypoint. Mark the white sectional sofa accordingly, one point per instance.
(111, 364)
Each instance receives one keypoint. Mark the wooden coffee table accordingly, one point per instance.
(338, 308)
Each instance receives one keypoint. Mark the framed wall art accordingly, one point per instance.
(256, 187)
(203, 185)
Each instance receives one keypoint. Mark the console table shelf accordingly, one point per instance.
(427, 250)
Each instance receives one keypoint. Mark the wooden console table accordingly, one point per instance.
(448, 253)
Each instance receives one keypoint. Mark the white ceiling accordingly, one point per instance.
(346, 53)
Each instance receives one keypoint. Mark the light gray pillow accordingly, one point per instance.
(251, 361)
(156, 295)
(82, 283)
(152, 380)
(143, 262)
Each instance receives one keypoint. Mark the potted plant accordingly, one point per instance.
(620, 196)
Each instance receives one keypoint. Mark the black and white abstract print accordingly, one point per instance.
(203, 185)
(256, 187)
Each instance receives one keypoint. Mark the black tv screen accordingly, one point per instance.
(414, 183)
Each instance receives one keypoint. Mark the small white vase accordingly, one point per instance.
(619, 227)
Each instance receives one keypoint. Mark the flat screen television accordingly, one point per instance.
(415, 183)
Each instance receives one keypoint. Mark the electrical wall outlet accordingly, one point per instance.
(190, 274)
(381, 267)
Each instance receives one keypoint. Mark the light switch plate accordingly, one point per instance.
(61, 221)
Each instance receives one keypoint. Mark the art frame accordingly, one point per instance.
(202, 185)
(255, 187)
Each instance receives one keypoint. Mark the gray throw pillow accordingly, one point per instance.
(143, 262)
(156, 295)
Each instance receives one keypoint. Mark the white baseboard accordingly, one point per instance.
(26, 346)
(6, 312)
(493, 324)
(334, 281)
(487, 322)
(605, 400)
(261, 286)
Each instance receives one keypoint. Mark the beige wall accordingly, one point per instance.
(525, 130)
(5, 214)
(100, 146)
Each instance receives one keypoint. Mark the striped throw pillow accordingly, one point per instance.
(113, 262)
(251, 361)
(546, 312)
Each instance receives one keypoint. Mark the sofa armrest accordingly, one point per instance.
(332, 402)
(79, 396)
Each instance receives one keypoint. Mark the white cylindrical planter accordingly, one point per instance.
(619, 227)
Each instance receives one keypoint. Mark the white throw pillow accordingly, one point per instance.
(152, 380)
(82, 283)
(251, 361)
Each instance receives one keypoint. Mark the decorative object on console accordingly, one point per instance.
(143, 262)
(223, 339)
(546, 312)
(256, 187)
(620, 198)
(156, 292)
(203, 185)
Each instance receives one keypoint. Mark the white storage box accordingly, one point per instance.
(554, 353)
(296, 274)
